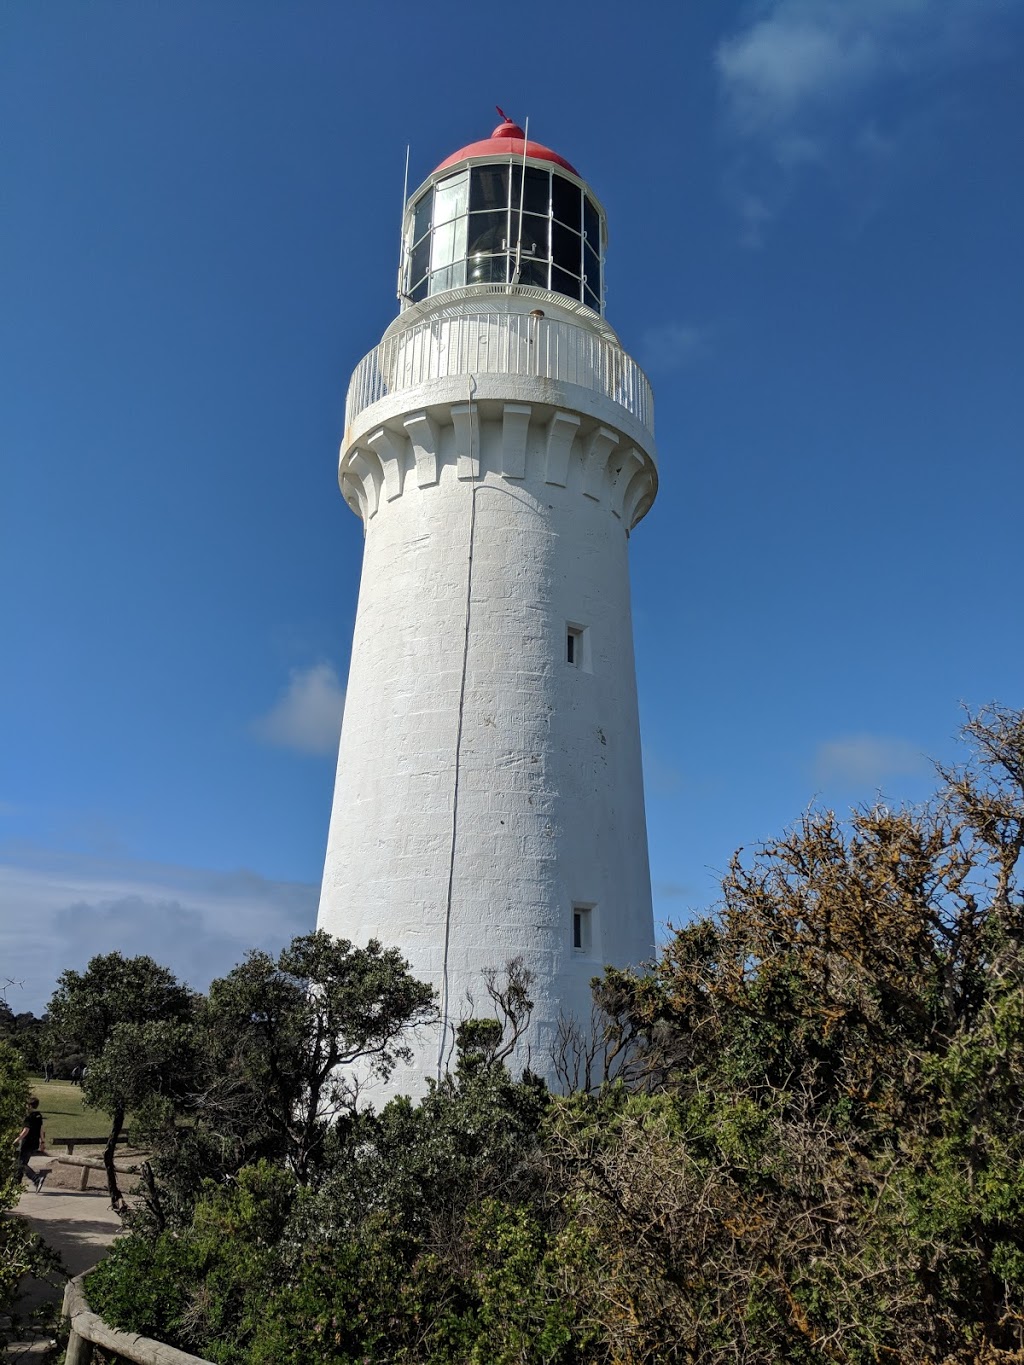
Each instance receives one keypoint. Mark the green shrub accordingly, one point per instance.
(206, 1289)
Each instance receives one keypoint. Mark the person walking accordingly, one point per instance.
(28, 1143)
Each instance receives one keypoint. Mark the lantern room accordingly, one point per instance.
(504, 211)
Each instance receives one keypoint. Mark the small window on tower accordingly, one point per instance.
(576, 652)
(582, 929)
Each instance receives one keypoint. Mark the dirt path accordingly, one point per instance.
(79, 1225)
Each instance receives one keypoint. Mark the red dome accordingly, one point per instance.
(508, 139)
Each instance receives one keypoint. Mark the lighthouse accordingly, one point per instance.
(499, 450)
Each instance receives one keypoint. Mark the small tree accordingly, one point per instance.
(282, 1038)
(130, 1017)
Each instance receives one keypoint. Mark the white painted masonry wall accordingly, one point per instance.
(497, 510)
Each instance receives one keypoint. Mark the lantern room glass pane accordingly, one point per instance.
(488, 269)
(566, 248)
(451, 197)
(534, 235)
(421, 216)
(564, 283)
(592, 270)
(533, 272)
(536, 190)
(451, 277)
(488, 231)
(565, 202)
(488, 188)
(448, 243)
(418, 260)
(591, 224)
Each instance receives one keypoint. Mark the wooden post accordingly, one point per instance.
(86, 1328)
(79, 1350)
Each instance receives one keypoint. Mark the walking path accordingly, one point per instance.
(78, 1224)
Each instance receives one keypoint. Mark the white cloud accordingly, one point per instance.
(672, 346)
(799, 76)
(867, 760)
(60, 910)
(802, 54)
(797, 58)
(308, 716)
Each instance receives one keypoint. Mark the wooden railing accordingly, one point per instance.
(70, 1143)
(89, 1330)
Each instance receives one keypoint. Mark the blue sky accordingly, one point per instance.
(816, 212)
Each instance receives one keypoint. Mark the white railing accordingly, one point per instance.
(500, 343)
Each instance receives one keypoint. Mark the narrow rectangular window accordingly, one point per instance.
(583, 930)
(574, 645)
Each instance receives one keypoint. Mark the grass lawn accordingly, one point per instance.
(64, 1111)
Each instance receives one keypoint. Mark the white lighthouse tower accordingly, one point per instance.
(499, 450)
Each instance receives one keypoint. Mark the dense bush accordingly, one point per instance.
(26, 1034)
(14, 1246)
(799, 1138)
(211, 1285)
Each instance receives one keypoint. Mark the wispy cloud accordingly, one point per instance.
(794, 59)
(802, 54)
(199, 923)
(799, 77)
(672, 346)
(308, 716)
(867, 760)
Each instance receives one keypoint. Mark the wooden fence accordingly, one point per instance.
(89, 1330)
